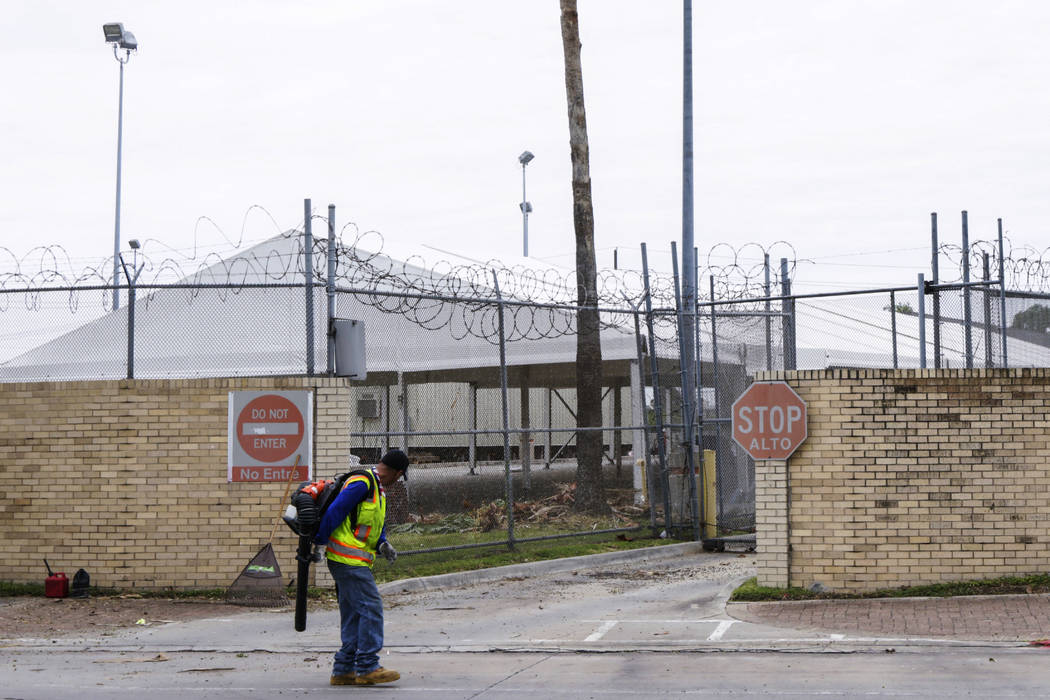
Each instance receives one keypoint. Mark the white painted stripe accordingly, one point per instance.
(600, 632)
(271, 429)
(720, 630)
(838, 637)
(681, 620)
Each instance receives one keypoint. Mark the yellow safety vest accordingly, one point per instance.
(357, 546)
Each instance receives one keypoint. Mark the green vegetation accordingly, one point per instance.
(433, 563)
(8, 589)
(1037, 318)
(750, 591)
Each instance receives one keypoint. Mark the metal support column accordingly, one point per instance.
(308, 281)
(922, 322)
(986, 297)
(525, 449)
(893, 325)
(685, 332)
(402, 403)
(506, 413)
(330, 288)
(935, 272)
(1002, 293)
(472, 409)
(967, 316)
(657, 401)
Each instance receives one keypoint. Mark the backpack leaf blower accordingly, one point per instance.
(303, 515)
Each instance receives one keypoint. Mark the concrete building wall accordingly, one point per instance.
(909, 477)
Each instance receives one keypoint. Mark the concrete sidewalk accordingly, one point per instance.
(993, 618)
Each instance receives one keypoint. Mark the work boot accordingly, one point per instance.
(343, 679)
(380, 675)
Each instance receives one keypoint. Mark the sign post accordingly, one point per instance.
(769, 420)
(267, 432)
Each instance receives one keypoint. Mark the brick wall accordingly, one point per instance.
(909, 477)
(127, 479)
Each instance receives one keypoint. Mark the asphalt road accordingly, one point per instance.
(604, 629)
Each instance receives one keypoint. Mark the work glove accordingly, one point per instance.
(318, 552)
(388, 551)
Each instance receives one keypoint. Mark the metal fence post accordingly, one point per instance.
(331, 290)
(935, 272)
(718, 395)
(788, 307)
(687, 399)
(987, 298)
(922, 322)
(1002, 293)
(308, 245)
(893, 325)
(506, 412)
(769, 321)
(657, 401)
(643, 419)
(131, 329)
(967, 319)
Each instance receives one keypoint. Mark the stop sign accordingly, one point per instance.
(769, 420)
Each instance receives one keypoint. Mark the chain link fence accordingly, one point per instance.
(480, 389)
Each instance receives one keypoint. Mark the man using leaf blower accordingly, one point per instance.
(353, 532)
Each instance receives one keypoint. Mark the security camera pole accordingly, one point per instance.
(525, 205)
(121, 39)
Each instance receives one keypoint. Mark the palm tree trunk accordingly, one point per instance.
(589, 487)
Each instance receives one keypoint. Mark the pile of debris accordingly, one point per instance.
(557, 509)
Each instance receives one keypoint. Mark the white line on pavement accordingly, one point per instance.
(720, 630)
(600, 632)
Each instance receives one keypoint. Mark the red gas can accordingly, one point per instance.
(55, 585)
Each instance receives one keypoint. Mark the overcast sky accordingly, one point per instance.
(834, 125)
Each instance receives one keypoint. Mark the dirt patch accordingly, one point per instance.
(45, 618)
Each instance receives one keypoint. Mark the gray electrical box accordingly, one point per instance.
(367, 407)
(349, 348)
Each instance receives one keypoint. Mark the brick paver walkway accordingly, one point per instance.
(979, 618)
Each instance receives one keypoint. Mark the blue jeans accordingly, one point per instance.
(360, 619)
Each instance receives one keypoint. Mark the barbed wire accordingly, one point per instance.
(1024, 268)
(443, 294)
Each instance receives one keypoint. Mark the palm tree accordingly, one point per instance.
(589, 487)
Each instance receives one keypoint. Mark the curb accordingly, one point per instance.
(549, 566)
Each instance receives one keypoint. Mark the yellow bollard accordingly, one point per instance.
(709, 496)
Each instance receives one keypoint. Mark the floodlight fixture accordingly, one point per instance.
(525, 158)
(134, 243)
(119, 37)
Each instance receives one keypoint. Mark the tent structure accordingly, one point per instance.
(246, 315)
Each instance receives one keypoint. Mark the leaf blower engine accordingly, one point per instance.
(308, 504)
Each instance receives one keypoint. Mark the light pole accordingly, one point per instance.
(526, 207)
(121, 39)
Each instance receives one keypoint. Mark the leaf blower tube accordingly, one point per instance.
(303, 517)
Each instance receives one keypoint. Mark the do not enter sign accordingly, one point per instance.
(769, 420)
(269, 435)
(270, 428)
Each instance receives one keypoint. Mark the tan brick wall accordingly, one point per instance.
(127, 479)
(910, 477)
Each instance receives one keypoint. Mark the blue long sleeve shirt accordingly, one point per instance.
(341, 508)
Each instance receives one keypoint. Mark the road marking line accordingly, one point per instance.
(720, 630)
(600, 632)
(838, 637)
